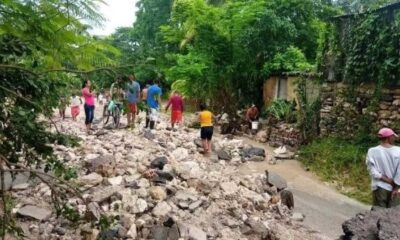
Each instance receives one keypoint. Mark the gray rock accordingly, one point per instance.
(91, 179)
(159, 163)
(103, 165)
(173, 233)
(161, 209)
(185, 196)
(132, 233)
(31, 211)
(94, 211)
(108, 234)
(250, 152)
(122, 232)
(149, 135)
(115, 181)
(127, 220)
(370, 226)
(256, 227)
(159, 233)
(104, 193)
(183, 205)
(297, 217)
(140, 206)
(388, 228)
(191, 232)
(276, 180)
(229, 188)
(188, 170)
(223, 155)
(193, 206)
(21, 186)
(59, 231)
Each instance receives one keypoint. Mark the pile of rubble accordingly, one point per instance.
(378, 224)
(157, 185)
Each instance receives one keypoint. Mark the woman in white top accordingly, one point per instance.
(75, 102)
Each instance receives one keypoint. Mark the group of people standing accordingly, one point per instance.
(131, 93)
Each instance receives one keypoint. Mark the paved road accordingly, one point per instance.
(324, 207)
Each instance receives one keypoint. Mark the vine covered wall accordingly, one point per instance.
(361, 68)
(364, 48)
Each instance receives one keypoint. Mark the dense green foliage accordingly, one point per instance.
(223, 50)
(340, 162)
(282, 110)
(362, 48)
(45, 53)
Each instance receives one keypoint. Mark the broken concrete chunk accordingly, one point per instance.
(37, 213)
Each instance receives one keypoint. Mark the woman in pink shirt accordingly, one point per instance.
(89, 104)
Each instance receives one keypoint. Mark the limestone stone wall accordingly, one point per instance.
(344, 109)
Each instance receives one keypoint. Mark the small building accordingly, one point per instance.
(283, 86)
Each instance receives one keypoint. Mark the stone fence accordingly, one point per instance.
(344, 109)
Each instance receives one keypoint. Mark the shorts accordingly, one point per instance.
(206, 133)
(75, 111)
(176, 116)
(383, 198)
(153, 114)
(132, 107)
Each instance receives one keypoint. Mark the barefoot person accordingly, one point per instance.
(133, 96)
(383, 162)
(207, 129)
(176, 103)
(153, 101)
(75, 103)
(89, 104)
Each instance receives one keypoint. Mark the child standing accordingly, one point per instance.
(207, 129)
(75, 102)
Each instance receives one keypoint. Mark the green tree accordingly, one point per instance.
(44, 50)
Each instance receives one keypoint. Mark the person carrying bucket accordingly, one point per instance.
(252, 115)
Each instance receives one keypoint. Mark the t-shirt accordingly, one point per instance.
(382, 161)
(176, 103)
(206, 119)
(89, 98)
(152, 93)
(133, 92)
(75, 101)
(252, 113)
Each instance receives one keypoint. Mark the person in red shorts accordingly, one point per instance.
(176, 103)
(133, 97)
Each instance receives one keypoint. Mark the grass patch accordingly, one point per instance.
(342, 163)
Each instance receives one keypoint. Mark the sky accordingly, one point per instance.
(118, 13)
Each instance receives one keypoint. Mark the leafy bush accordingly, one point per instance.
(291, 60)
(282, 110)
(341, 162)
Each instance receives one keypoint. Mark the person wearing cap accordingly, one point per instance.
(252, 114)
(383, 163)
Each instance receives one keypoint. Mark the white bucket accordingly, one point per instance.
(254, 125)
